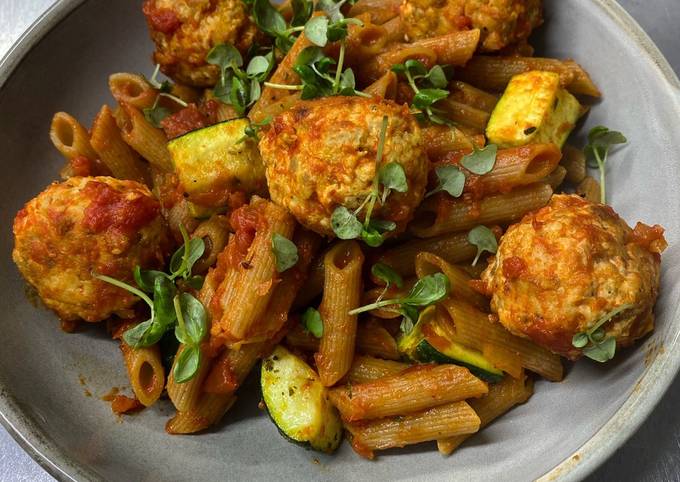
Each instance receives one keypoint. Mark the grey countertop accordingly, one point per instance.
(652, 454)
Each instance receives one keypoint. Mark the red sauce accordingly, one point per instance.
(245, 222)
(81, 166)
(160, 19)
(210, 108)
(514, 267)
(186, 120)
(122, 404)
(110, 209)
(221, 378)
(463, 22)
(648, 237)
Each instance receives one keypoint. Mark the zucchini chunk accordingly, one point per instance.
(298, 403)
(218, 158)
(534, 109)
(429, 342)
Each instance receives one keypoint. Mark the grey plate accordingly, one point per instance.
(564, 432)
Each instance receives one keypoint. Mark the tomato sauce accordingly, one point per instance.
(110, 209)
(514, 267)
(186, 120)
(122, 404)
(650, 238)
(160, 19)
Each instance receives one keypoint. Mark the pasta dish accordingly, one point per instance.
(375, 204)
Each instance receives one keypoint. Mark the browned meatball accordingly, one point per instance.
(321, 154)
(502, 22)
(184, 31)
(564, 267)
(88, 225)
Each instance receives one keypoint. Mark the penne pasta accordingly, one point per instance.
(132, 89)
(381, 11)
(364, 41)
(589, 189)
(441, 140)
(574, 161)
(342, 293)
(494, 73)
(444, 421)
(144, 138)
(467, 94)
(367, 369)
(119, 158)
(145, 371)
(209, 410)
(475, 329)
(555, 178)
(417, 388)
(385, 87)
(434, 218)
(215, 234)
(70, 137)
(464, 114)
(501, 398)
(180, 215)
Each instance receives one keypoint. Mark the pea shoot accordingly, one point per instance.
(480, 161)
(169, 308)
(312, 322)
(346, 224)
(285, 252)
(484, 239)
(450, 180)
(594, 342)
(429, 86)
(600, 141)
(156, 113)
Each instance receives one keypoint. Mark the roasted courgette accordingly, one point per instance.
(428, 342)
(298, 403)
(534, 109)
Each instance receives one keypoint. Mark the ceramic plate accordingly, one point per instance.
(564, 432)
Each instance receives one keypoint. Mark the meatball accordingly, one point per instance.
(564, 267)
(321, 154)
(88, 225)
(184, 31)
(502, 22)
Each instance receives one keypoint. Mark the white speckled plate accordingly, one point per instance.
(564, 432)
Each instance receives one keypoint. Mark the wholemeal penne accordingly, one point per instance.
(115, 153)
(385, 86)
(494, 73)
(441, 140)
(555, 178)
(215, 234)
(574, 161)
(502, 397)
(367, 368)
(411, 390)
(467, 94)
(209, 409)
(144, 138)
(434, 218)
(132, 89)
(145, 371)
(464, 115)
(364, 41)
(444, 421)
(381, 11)
(70, 137)
(342, 292)
(474, 329)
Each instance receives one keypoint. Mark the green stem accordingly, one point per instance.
(411, 82)
(376, 180)
(338, 72)
(373, 306)
(178, 311)
(291, 30)
(284, 86)
(174, 98)
(126, 287)
(601, 166)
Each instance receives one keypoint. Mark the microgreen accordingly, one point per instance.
(594, 342)
(600, 141)
(450, 179)
(429, 87)
(346, 224)
(236, 87)
(427, 291)
(169, 309)
(312, 322)
(254, 128)
(484, 239)
(285, 252)
(387, 274)
(191, 329)
(480, 161)
(156, 113)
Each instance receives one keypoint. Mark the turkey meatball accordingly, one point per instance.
(321, 154)
(88, 225)
(568, 265)
(502, 22)
(184, 31)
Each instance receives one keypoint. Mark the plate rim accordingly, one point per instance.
(650, 388)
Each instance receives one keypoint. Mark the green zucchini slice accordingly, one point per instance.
(298, 403)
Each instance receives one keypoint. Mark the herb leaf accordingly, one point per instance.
(183, 260)
(601, 352)
(451, 180)
(392, 177)
(316, 30)
(480, 161)
(146, 279)
(285, 252)
(484, 239)
(225, 56)
(268, 18)
(187, 363)
(345, 224)
(593, 342)
(600, 141)
(312, 321)
(387, 274)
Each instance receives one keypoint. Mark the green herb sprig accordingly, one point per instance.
(600, 141)
(285, 252)
(169, 308)
(429, 86)
(236, 87)
(427, 291)
(391, 176)
(312, 322)
(156, 113)
(452, 180)
(484, 239)
(270, 21)
(594, 342)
